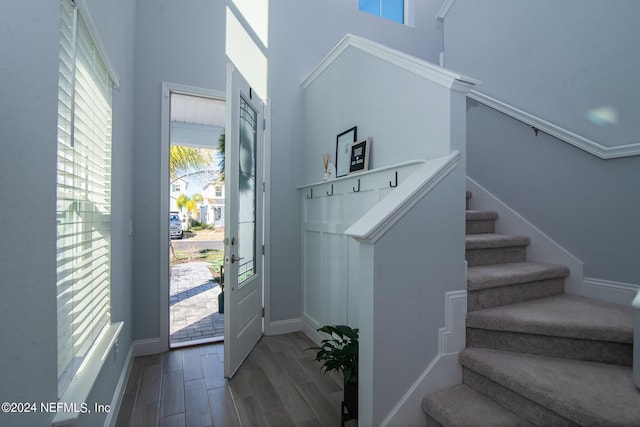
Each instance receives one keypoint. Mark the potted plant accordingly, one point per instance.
(340, 353)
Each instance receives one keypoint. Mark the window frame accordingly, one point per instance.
(408, 12)
(83, 206)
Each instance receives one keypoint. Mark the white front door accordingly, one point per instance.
(243, 289)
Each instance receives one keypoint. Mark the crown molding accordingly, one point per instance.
(435, 73)
(446, 6)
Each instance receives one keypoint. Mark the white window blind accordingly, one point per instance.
(83, 209)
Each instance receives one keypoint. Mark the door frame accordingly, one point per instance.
(165, 143)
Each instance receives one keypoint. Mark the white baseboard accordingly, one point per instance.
(608, 290)
(309, 327)
(280, 327)
(118, 394)
(444, 371)
(542, 248)
(147, 347)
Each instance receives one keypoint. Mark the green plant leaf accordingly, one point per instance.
(340, 352)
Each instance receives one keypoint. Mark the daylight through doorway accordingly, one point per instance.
(196, 220)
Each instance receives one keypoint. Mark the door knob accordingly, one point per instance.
(235, 258)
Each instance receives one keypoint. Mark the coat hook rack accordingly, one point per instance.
(392, 185)
(310, 195)
(330, 194)
(355, 190)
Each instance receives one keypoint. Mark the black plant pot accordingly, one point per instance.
(351, 399)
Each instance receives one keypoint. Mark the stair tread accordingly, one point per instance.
(561, 316)
(495, 275)
(472, 214)
(494, 240)
(585, 392)
(462, 406)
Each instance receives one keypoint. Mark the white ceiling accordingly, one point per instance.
(197, 110)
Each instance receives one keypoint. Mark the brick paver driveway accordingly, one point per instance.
(193, 304)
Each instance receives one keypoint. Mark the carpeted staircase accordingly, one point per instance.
(535, 356)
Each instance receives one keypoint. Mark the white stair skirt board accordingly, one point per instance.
(542, 247)
(443, 371)
(607, 290)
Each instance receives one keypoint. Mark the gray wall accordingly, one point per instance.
(185, 45)
(407, 120)
(588, 205)
(557, 60)
(577, 61)
(28, 117)
(410, 286)
(302, 33)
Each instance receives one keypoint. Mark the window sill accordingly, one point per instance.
(76, 394)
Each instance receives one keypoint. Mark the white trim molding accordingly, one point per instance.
(97, 40)
(118, 394)
(608, 290)
(378, 220)
(80, 387)
(436, 74)
(451, 337)
(543, 248)
(446, 6)
(279, 327)
(556, 131)
(148, 346)
(309, 327)
(444, 370)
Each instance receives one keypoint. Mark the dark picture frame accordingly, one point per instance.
(343, 147)
(359, 155)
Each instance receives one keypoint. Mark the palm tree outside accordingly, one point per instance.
(221, 157)
(190, 203)
(184, 160)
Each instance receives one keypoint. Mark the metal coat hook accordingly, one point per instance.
(355, 190)
(310, 196)
(330, 194)
(396, 183)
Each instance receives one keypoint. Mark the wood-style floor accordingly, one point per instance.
(278, 385)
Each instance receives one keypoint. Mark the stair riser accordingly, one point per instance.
(496, 255)
(513, 401)
(512, 294)
(568, 348)
(480, 226)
